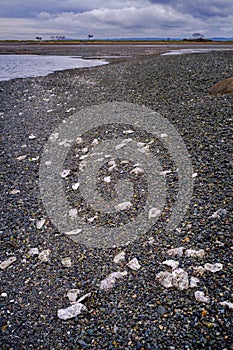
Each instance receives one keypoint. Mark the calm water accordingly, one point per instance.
(186, 51)
(24, 66)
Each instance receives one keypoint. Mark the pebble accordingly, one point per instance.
(165, 172)
(123, 144)
(151, 240)
(161, 310)
(165, 278)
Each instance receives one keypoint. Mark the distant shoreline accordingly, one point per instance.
(99, 49)
(116, 42)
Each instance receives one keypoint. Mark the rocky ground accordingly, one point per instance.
(156, 304)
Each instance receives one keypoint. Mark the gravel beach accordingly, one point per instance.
(139, 310)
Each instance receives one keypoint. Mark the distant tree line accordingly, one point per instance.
(57, 37)
(197, 37)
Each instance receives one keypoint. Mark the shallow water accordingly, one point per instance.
(24, 66)
(186, 51)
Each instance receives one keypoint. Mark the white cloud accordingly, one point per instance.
(129, 18)
(154, 19)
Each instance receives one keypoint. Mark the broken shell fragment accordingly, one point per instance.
(195, 253)
(84, 297)
(7, 262)
(119, 257)
(40, 223)
(44, 255)
(180, 279)
(66, 262)
(200, 296)
(22, 157)
(172, 263)
(198, 270)
(194, 281)
(65, 173)
(134, 264)
(219, 213)
(109, 282)
(123, 206)
(213, 267)
(165, 278)
(107, 179)
(14, 191)
(227, 303)
(75, 186)
(33, 251)
(153, 212)
(73, 232)
(73, 212)
(137, 171)
(71, 311)
(72, 294)
(176, 251)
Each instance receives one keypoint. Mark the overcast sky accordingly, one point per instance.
(26, 19)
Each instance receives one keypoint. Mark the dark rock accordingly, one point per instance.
(223, 87)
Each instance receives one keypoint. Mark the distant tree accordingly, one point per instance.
(38, 38)
(90, 36)
(197, 36)
(59, 37)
